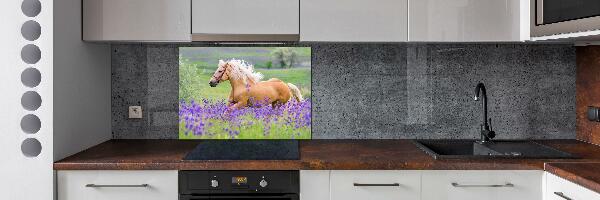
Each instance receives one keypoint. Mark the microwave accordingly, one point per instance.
(553, 17)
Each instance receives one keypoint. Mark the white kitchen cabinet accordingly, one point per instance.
(468, 20)
(244, 20)
(136, 20)
(354, 20)
(375, 185)
(560, 189)
(478, 185)
(314, 184)
(117, 185)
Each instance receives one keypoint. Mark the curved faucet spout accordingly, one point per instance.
(481, 88)
(486, 133)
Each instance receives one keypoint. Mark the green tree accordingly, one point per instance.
(285, 56)
(269, 64)
(188, 83)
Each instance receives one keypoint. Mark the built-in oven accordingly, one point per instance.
(552, 17)
(237, 185)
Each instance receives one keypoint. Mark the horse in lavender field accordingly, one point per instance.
(248, 90)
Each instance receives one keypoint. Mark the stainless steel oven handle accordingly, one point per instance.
(562, 195)
(376, 184)
(492, 185)
(115, 186)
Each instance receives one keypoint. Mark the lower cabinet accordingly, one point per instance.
(341, 185)
(421, 185)
(560, 189)
(482, 185)
(375, 185)
(117, 185)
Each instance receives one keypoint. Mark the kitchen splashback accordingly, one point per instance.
(376, 91)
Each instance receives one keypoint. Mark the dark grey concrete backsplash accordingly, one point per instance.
(372, 91)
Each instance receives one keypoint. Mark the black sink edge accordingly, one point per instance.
(436, 156)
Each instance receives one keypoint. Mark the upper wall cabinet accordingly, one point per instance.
(354, 20)
(245, 20)
(136, 20)
(468, 20)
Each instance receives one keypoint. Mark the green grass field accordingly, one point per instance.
(254, 131)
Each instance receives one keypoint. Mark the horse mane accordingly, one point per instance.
(242, 70)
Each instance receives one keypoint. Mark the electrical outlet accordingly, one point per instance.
(135, 112)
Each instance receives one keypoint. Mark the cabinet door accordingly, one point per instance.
(314, 184)
(468, 20)
(478, 185)
(375, 185)
(220, 18)
(136, 20)
(560, 189)
(353, 20)
(117, 185)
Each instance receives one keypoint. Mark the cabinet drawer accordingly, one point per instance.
(560, 189)
(117, 185)
(477, 185)
(375, 185)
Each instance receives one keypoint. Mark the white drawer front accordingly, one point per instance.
(482, 185)
(567, 189)
(343, 188)
(162, 185)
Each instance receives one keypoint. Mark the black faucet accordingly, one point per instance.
(487, 134)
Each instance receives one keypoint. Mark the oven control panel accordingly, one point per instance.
(228, 182)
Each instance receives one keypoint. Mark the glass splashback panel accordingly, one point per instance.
(245, 93)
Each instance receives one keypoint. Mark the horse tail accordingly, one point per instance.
(295, 92)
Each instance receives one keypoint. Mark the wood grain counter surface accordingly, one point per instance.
(314, 155)
(584, 174)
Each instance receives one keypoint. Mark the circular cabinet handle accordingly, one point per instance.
(492, 185)
(115, 186)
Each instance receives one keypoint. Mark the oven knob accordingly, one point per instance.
(263, 183)
(214, 183)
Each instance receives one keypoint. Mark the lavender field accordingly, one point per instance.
(211, 120)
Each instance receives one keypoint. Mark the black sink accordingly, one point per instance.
(469, 149)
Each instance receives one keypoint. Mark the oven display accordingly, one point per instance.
(239, 180)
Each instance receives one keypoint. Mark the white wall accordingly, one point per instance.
(81, 84)
(82, 109)
(21, 177)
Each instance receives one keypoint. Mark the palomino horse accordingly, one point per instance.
(248, 90)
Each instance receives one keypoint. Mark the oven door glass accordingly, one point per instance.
(554, 11)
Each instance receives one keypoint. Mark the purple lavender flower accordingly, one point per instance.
(199, 118)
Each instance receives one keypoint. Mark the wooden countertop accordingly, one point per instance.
(314, 155)
(584, 174)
